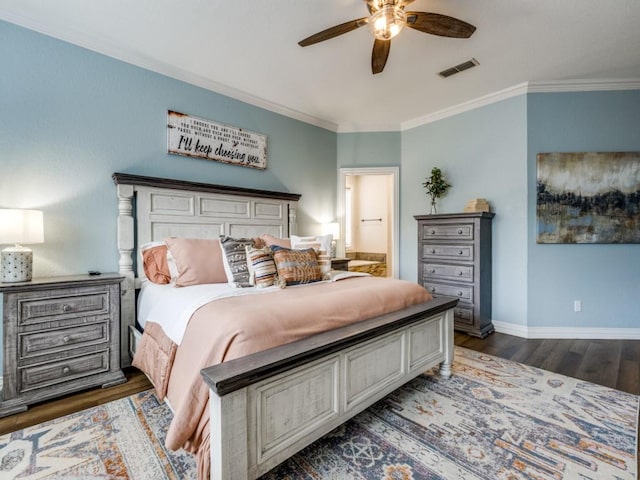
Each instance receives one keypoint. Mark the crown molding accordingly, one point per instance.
(103, 47)
(594, 85)
(370, 128)
(498, 96)
(555, 86)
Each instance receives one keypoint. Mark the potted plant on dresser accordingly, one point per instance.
(436, 186)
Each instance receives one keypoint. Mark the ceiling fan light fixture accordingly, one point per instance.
(387, 22)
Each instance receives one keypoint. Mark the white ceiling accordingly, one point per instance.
(247, 49)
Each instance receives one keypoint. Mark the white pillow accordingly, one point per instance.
(324, 242)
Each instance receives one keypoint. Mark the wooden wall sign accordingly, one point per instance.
(196, 137)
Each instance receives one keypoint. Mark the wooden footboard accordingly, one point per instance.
(267, 406)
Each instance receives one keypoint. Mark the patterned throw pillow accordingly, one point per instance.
(322, 245)
(296, 267)
(235, 260)
(262, 268)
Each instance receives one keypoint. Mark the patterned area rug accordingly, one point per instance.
(494, 419)
(123, 439)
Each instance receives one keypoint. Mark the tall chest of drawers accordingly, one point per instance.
(60, 334)
(454, 259)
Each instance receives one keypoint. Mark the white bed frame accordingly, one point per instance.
(152, 209)
(267, 406)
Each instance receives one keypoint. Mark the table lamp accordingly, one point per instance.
(18, 227)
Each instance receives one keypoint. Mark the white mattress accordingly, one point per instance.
(173, 307)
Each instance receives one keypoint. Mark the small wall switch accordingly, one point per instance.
(577, 306)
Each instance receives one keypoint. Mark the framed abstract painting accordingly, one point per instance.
(588, 197)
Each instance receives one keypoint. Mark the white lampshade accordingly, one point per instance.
(332, 228)
(17, 227)
(21, 226)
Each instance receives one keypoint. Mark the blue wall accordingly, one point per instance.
(377, 149)
(69, 118)
(482, 153)
(606, 278)
(491, 152)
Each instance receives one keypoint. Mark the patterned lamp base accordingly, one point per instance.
(17, 264)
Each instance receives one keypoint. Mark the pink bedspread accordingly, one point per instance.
(233, 327)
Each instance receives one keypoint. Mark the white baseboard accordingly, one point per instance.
(568, 332)
(511, 329)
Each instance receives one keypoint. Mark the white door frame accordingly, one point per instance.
(395, 223)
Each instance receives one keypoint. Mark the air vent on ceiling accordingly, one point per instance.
(459, 68)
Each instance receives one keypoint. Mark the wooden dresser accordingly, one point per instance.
(454, 260)
(60, 335)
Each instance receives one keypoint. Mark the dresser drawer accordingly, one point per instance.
(463, 231)
(463, 315)
(464, 293)
(44, 375)
(462, 253)
(63, 339)
(463, 273)
(60, 306)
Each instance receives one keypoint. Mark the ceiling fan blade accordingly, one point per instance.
(379, 55)
(333, 31)
(437, 24)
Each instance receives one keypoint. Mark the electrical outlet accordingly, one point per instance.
(577, 306)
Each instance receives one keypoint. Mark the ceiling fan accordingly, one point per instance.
(387, 18)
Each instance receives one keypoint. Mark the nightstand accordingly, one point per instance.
(340, 264)
(60, 335)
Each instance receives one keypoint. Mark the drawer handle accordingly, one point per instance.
(66, 339)
(460, 252)
(459, 231)
(433, 232)
(65, 370)
(433, 270)
(459, 294)
(433, 250)
(66, 307)
(433, 289)
(460, 273)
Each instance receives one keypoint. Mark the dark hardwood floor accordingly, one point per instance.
(613, 363)
(136, 382)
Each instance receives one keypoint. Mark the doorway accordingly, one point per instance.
(368, 213)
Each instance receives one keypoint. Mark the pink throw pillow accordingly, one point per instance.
(197, 260)
(279, 242)
(154, 261)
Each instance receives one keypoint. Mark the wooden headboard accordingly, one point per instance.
(152, 209)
